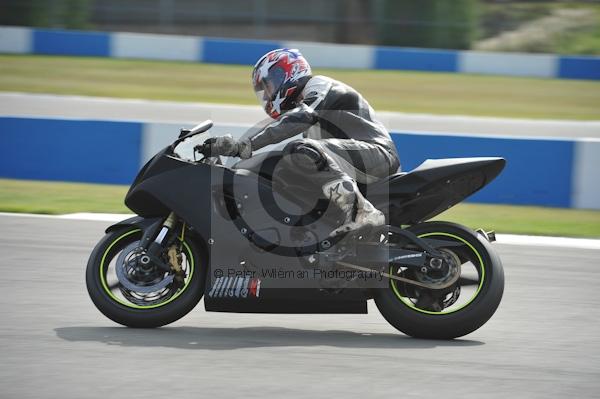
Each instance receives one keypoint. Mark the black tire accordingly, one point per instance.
(181, 304)
(433, 325)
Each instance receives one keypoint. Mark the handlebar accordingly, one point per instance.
(206, 147)
(202, 149)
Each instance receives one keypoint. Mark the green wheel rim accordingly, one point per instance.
(411, 305)
(104, 269)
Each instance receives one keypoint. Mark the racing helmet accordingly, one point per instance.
(278, 79)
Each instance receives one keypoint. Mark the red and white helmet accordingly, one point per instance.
(278, 78)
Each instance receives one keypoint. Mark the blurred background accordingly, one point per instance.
(569, 27)
(91, 89)
(518, 79)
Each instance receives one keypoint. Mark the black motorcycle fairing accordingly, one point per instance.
(286, 182)
(136, 221)
(432, 188)
(150, 168)
(198, 193)
(293, 301)
(171, 184)
(262, 163)
(435, 170)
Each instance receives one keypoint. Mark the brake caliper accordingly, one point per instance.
(175, 260)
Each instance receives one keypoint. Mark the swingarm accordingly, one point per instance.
(380, 256)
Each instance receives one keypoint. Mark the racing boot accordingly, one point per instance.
(345, 194)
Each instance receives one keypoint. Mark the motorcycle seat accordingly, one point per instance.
(381, 184)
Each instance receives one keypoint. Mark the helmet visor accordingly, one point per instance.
(262, 98)
(267, 88)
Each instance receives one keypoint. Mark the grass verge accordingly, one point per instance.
(54, 198)
(59, 198)
(420, 92)
(526, 219)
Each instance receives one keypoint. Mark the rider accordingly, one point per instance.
(342, 142)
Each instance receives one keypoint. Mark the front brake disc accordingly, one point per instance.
(125, 264)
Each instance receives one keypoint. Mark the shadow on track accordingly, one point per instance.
(208, 338)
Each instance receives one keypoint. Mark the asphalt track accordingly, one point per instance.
(543, 341)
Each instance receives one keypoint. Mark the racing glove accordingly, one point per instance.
(228, 146)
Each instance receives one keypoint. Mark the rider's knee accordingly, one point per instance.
(305, 155)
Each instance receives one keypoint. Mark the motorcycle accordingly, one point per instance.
(254, 237)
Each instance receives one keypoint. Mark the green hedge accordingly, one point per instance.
(71, 14)
(447, 24)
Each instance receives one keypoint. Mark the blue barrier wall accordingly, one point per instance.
(224, 51)
(579, 67)
(70, 150)
(71, 43)
(538, 171)
(247, 52)
(416, 59)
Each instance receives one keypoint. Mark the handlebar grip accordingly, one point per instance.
(206, 148)
(199, 148)
(203, 149)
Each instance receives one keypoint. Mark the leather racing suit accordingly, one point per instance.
(340, 134)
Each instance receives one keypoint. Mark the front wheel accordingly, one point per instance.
(456, 310)
(135, 294)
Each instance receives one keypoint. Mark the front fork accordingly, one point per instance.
(153, 239)
(168, 224)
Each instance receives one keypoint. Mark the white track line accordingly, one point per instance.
(504, 239)
(543, 241)
(100, 217)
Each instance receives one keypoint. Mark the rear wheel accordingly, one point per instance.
(131, 291)
(477, 278)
